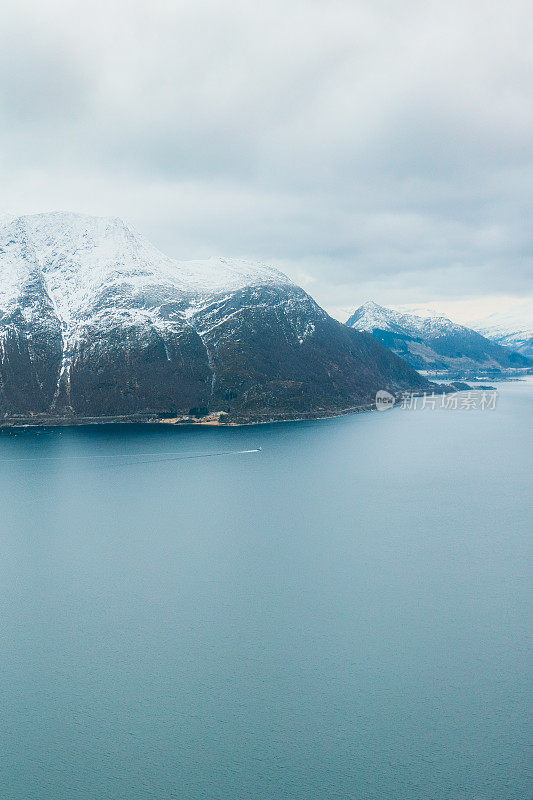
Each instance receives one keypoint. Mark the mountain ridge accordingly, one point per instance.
(434, 343)
(95, 322)
(511, 328)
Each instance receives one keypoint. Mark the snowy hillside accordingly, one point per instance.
(511, 327)
(80, 257)
(97, 322)
(371, 316)
(434, 343)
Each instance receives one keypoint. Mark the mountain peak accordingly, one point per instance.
(97, 323)
(432, 342)
(370, 316)
(79, 255)
(368, 304)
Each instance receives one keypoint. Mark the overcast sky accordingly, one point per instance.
(372, 149)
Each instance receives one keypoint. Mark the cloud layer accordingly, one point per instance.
(373, 148)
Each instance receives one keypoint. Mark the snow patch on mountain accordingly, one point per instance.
(371, 316)
(433, 342)
(98, 273)
(86, 260)
(512, 327)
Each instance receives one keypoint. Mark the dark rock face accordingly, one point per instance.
(276, 354)
(30, 352)
(121, 371)
(97, 324)
(435, 344)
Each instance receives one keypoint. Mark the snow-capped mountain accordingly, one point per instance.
(372, 316)
(512, 327)
(96, 322)
(434, 343)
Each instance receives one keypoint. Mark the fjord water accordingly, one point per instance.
(341, 615)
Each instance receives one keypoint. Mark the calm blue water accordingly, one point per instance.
(344, 615)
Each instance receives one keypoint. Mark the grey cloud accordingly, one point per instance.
(362, 145)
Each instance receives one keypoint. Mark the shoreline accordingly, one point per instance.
(175, 422)
(213, 420)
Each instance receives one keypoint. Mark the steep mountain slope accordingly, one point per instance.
(95, 322)
(434, 343)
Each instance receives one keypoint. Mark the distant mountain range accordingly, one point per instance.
(435, 344)
(97, 324)
(512, 328)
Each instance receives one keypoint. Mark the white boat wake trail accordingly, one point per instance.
(119, 459)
